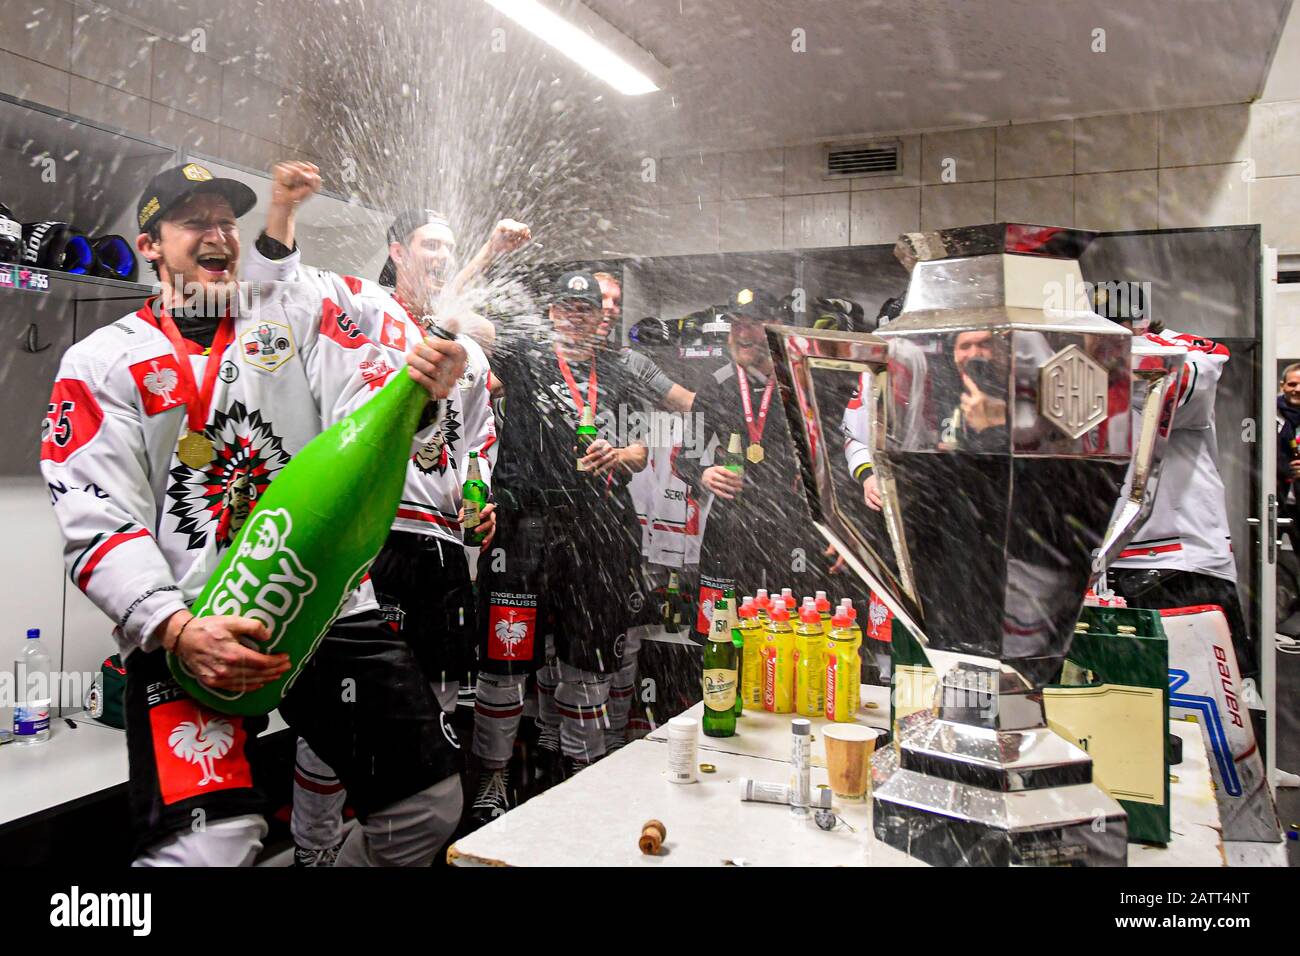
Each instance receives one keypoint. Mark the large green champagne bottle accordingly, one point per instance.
(474, 495)
(311, 539)
(720, 670)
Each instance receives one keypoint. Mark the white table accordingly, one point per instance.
(70, 766)
(595, 818)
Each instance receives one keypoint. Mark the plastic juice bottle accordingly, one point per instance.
(809, 663)
(751, 668)
(824, 609)
(791, 605)
(778, 663)
(843, 670)
(763, 603)
(847, 605)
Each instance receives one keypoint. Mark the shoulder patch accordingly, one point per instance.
(338, 326)
(160, 384)
(393, 333)
(72, 419)
(353, 284)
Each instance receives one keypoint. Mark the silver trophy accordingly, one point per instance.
(1015, 437)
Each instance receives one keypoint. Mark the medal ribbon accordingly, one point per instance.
(755, 430)
(573, 385)
(196, 410)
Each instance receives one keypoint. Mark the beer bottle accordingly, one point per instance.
(309, 543)
(672, 611)
(737, 638)
(720, 669)
(474, 495)
(585, 435)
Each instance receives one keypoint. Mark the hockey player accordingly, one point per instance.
(421, 576)
(567, 560)
(1182, 554)
(163, 430)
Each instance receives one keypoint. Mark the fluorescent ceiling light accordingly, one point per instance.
(577, 40)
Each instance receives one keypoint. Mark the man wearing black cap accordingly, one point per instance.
(758, 534)
(164, 430)
(566, 561)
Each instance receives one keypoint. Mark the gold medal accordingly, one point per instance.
(195, 449)
(754, 452)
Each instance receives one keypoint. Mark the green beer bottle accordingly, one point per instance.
(585, 435)
(474, 496)
(311, 539)
(720, 670)
(734, 460)
(672, 611)
(737, 638)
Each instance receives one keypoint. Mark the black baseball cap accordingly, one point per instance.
(173, 185)
(406, 222)
(755, 304)
(580, 285)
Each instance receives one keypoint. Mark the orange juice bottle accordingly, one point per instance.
(751, 668)
(778, 662)
(809, 663)
(843, 670)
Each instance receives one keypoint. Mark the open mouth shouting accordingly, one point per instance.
(215, 265)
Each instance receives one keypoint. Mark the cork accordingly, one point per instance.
(653, 834)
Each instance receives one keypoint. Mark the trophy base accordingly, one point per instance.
(969, 796)
(944, 823)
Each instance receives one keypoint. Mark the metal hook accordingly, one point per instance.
(32, 344)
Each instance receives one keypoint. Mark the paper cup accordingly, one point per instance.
(848, 758)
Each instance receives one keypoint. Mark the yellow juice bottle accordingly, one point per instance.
(778, 663)
(809, 663)
(751, 670)
(843, 670)
(764, 605)
(847, 605)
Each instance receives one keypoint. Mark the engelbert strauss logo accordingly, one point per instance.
(265, 580)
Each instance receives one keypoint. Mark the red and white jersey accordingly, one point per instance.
(1187, 529)
(435, 479)
(142, 530)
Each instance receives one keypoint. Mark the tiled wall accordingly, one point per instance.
(88, 62)
(1221, 165)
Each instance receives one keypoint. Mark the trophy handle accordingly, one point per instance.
(1161, 368)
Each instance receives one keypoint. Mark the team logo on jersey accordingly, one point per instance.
(220, 496)
(160, 385)
(510, 632)
(267, 345)
(393, 333)
(72, 418)
(435, 454)
(197, 750)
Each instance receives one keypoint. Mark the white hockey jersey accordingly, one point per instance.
(142, 530)
(1187, 529)
(435, 478)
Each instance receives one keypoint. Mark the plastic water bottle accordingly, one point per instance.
(32, 692)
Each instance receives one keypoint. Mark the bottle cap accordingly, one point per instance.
(841, 619)
(801, 726)
(683, 724)
(808, 614)
(762, 595)
(747, 611)
(473, 454)
(822, 603)
(749, 599)
(787, 595)
(33, 633)
(779, 613)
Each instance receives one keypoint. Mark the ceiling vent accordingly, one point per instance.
(863, 159)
